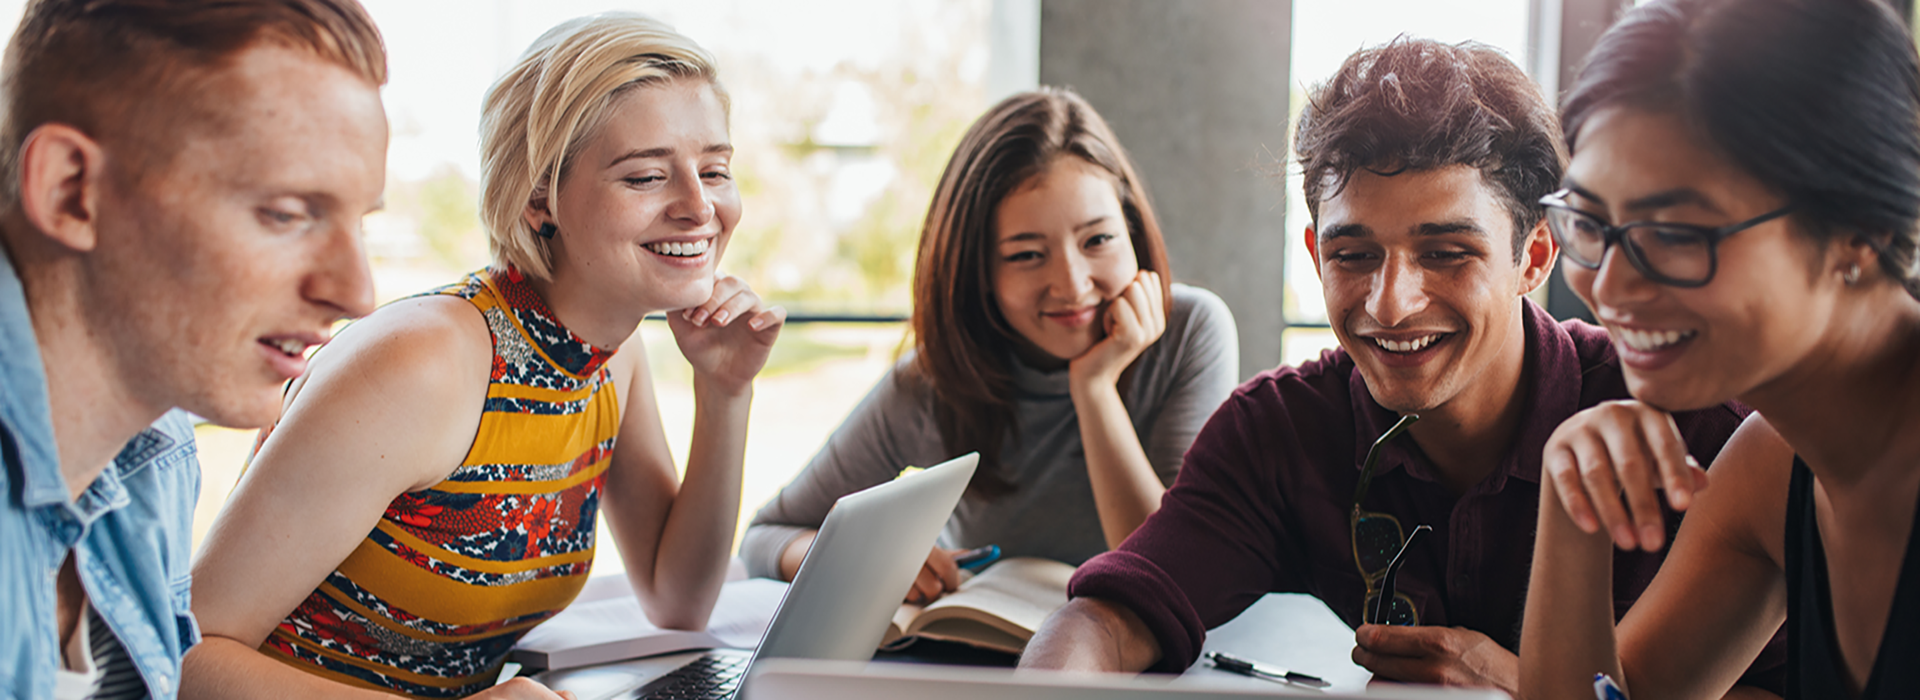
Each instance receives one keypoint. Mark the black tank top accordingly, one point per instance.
(1813, 655)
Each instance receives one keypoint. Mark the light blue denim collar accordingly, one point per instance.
(24, 411)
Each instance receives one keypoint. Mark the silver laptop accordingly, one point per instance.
(859, 568)
(793, 679)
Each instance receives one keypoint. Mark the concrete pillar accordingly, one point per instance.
(1563, 33)
(1197, 91)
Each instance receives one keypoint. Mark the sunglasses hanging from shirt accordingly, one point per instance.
(1380, 545)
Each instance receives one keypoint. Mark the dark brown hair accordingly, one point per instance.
(112, 68)
(963, 342)
(1417, 104)
(1819, 100)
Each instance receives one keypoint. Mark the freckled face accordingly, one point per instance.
(1682, 348)
(1062, 253)
(227, 259)
(1421, 286)
(649, 204)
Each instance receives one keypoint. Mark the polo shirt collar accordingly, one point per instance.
(1551, 381)
(25, 413)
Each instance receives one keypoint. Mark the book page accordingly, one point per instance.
(1014, 596)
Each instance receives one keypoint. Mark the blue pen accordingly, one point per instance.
(1605, 689)
(977, 558)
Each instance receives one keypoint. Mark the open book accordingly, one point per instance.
(605, 623)
(998, 609)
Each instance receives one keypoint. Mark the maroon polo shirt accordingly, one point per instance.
(1261, 504)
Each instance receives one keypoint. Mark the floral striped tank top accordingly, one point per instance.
(432, 600)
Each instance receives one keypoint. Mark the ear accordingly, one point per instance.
(60, 170)
(1538, 253)
(537, 212)
(1863, 250)
(1313, 249)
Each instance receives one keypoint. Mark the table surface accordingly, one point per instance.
(1292, 631)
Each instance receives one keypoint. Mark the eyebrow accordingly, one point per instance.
(1443, 228)
(1031, 235)
(1345, 231)
(665, 151)
(1465, 226)
(1679, 196)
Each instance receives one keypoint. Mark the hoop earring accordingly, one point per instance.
(548, 229)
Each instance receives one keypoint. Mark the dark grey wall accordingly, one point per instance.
(1581, 24)
(1197, 92)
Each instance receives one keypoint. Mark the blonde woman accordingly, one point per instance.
(429, 493)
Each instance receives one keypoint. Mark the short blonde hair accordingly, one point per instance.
(539, 115)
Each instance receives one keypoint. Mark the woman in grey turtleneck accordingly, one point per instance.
(1048, 337)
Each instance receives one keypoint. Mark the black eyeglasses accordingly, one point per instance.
(1380, 545)
(1678, 255)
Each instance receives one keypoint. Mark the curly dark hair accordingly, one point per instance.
(1418, 104)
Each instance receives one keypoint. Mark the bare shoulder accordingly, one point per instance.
(404, 386)
(1747, 492)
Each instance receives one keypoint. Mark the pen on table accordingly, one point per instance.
(977, 558)
(1229, 662)
(1605, 689)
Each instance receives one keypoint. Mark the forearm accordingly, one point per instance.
(691, 561)
(1090, 634)
(1569, 629)
(795, 553)
(1125, 488)
(219, 667)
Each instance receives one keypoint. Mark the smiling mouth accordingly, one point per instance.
(1411, 345)
(1650, 341)
(681, 249)
(286, 346)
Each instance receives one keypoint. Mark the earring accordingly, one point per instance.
(1852, 275)
(548, 229)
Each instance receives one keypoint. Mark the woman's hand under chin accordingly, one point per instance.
(727, 337)
(1133, 320)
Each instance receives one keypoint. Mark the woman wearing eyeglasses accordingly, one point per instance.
(1741, 213)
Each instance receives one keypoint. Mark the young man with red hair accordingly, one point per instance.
(183, 183)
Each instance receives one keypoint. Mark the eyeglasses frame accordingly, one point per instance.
(1384, 578)
(1611, 234)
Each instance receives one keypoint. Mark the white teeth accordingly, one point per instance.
(1407, 345)
(290, 346)
(1648, 341)
(681, 249)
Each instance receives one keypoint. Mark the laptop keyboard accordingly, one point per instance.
(710, 677)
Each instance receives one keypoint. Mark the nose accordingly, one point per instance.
(1616, 282)
(340, 278)
(691, 204)
(1399, 292)
(1070, 276)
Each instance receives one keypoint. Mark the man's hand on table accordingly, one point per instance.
(1440, 655)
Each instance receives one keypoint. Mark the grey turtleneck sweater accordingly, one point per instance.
(1177, 383)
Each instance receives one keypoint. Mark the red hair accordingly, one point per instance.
(116, 69)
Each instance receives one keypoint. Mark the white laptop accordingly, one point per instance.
(859, 568)
(795, 679)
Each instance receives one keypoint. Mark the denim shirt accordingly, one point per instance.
(130, 531)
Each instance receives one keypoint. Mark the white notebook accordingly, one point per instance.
(605, 624)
